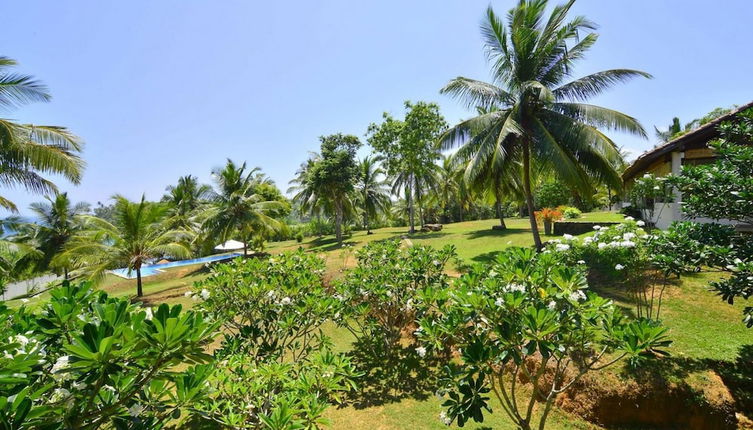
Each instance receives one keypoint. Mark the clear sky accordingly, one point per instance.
(160, 89)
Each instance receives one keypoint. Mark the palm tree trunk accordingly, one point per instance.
(609, 198)
(529, 196)
(498, 207)
(366, 222)
(411, 214)
(139, 290)
(65, 273)
(338, 222)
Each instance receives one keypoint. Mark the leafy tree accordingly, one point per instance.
(334, 174)
(135, 237)
(539, 120)
(28, 151)
(87, 361)
(57, 221)
(409, 150)
(527, 324)
(238, 207)
(371, 187)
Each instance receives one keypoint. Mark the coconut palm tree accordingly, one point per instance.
(372, 190)
(448, 185)
(56, 221)
(541, 120)
(185, 197)
(135, 237)
(237, 208)
(28, 151)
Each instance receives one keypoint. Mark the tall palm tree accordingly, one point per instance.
(305, 193)
(371, 187)
(540, 119)
(185, 197)
(56, 221)
(237, 208)
(448, 184)
(135, 237)
(28, 151)
(416, 186)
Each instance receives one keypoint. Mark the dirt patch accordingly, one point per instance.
(618, 402)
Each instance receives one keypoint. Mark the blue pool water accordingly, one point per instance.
(154, 269)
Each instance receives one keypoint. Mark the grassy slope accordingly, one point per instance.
(706, 331)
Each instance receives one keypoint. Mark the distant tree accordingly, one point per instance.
(409, 149)
(28, 151)
(372, 190)
(539, 119)
(238, 208)
(334, 174)
(56, 221)
(673, 129)
(187, 196)
(448, 183)
(135, 237)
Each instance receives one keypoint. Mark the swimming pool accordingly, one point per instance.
(153, 269)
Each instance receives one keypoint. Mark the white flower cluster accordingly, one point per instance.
(203, 295)
(513, 287)
(577, 296)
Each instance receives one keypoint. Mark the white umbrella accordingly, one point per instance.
(230, 245)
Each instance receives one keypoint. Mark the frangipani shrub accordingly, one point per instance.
(275, 368)
(271, 308)
(618, 256)
(528, 324)
(648, 190)
(390, 288)
(86, 360)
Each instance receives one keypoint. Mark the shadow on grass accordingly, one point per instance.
(328, 243)
(477, 234)
(737, 376)
(390, 376)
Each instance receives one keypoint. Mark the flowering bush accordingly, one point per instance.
(528, 320)
(269, 307)
(276, 369)
(624, 256)
(390, 288)
(86, 360)
(648, 190)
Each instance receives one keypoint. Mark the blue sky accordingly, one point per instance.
(160, 89)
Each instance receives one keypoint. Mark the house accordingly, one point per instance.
(690, 148)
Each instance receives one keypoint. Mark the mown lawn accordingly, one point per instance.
(708, 333)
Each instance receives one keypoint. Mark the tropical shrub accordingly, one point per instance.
(569, 212)
(724, 190)
(269, 307)
(528, 323)
(389, 289)
(276, 369)
(646, 192)
(86, 360)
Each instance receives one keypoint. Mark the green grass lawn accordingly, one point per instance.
(708, 334)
